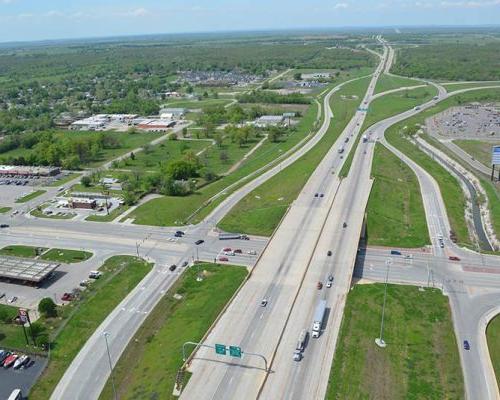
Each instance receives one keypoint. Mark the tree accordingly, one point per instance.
(85, 180)
(132, 156)
(181, 170)
(297, 76)
(47, 307)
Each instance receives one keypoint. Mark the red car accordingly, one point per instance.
(67, 297)
(223, 259)
(226, 249)
(454, 258)
(238, 251)
(319, 285)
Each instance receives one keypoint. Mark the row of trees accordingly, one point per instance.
(268, 97)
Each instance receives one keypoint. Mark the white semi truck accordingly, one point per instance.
(319, 314)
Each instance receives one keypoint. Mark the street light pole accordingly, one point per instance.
(380, 340)
(106, 334)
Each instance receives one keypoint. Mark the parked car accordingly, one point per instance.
(85, 283)
(67, 297)
(321, 195)
(2, 295)
(344, 224)
(466, 345)
(227, 249)
(238, 251)
(329, 253)
(330, 278)
(199, 241)
(395, 252)
(13, 299)
(177, 234)
(252, 252)
(6, 354)
(244, 237)
(24, 359)
(4, 226)
(316, 195)
(329, 284)
(223, 259)
(229, 253)
(180, 233)
(10, 360)
(184, 264)
(454, 258)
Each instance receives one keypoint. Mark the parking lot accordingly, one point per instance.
(9, 194)
(23, 379)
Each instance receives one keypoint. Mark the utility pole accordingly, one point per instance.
(106, 334)
(380, 340)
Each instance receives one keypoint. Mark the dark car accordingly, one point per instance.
(4, 226)
(454, 258)
(329, 253)
(199, 241)
(67, 297)
(177, 234)
(180, 233)
(185, 264)
(172, 267)
(321, 195)
(466, 345)
(316, 195)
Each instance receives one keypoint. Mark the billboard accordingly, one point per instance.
(495, 155)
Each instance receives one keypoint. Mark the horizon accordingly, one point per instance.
(31, 21)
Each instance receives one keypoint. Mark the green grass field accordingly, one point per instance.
(120, 275)
(396, 215)
(4, 210)
(66, 256)
(30, 196)
(389, 82)
(155, 157)
(22, 251)
(261, 210)
(481, 151)
(148, 367)
(459, 86)
(493, 335)
(196, 104)
(421, 360)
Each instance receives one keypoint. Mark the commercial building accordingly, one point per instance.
(155, 125)
(176, 113)
(86, 203)
(28, 171)
(21, 269)
(100, 121)
(268, 120)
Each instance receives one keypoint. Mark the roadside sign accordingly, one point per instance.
(495, 155)
(23, 315)
(235, 351)
(220, 349)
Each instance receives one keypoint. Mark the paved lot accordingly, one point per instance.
(9, 194)
(23, 379)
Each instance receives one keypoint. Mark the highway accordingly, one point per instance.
(281, 276)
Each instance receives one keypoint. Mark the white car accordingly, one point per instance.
(329, 284)
(252, 252)
(229, 253)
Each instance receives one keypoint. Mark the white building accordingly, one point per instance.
(268, 120)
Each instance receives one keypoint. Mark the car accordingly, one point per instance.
(172, 267)
(252, 252)
(177, 235)
(4, 226)
(184, 264)
(408, 256)
(344, 224)
(13, 299)
(321, 195)
(85, 283)
(95, 274)
(441, 243)
(466, 345)
(237, 251)
(227, 249)
(319, 285)
(229, 253)
(263, 302)
(329, 253)
(180, 233)
(6, 354)
(316, 195)
(2, 295)
(67, 297)
(330, 278)
(395, 252)
(454, 258)
(297, 355)
(199, 241)
(329, 284)
(244, 237)
(223, 259)
(10, 360)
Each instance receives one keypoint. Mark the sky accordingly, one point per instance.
(22, 20)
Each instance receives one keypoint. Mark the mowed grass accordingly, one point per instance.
(493, 336)
(22, 251)
(147, 369)
(467, 85)
(396, 215)
(4, 210)
(66, 256)
(121, 274)
(11, 335)
(64, 179)
(261, 210)
(196, 104)
(389, 82)
(421, 360)
(481, 151)
(30, 196)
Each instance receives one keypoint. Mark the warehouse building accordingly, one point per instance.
(28, 171)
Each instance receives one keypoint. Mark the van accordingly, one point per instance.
(395, 252)
(16, 395)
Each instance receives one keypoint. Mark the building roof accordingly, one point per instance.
(25, 269)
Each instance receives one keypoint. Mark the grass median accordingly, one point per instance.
(120, 275)
(66, 256)
(17, 250)
(390, 82)
(493, 337)
(30, 196)
(421, 360)
(261, 210)
(147, 368)
(4, 210)
(396, 215)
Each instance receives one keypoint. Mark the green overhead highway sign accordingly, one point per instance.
(235, 351)
(220, 349)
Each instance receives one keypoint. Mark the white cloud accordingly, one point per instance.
(339, 6)
(470, 4)
(136, 12)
